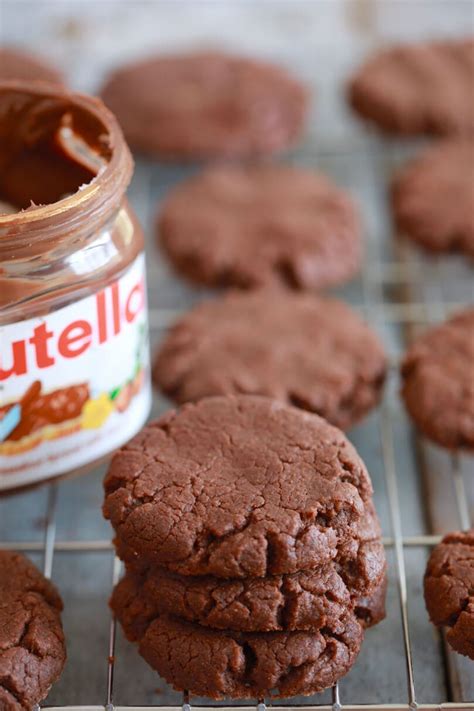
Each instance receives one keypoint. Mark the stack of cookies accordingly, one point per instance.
(251, 545)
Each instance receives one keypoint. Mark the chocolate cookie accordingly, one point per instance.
(261, 225)
(16, 64)
(418, 88)
(312, 352)
(292, 602)
(217, 663)
(32, 647)
(370, 609)
(237, 487)
(449, 589)
(206, 105)
(438, 384)
(433, 198)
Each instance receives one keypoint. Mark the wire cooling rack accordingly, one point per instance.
(377, 278)
(399, 292)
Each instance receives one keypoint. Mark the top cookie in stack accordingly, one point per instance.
(251, 546)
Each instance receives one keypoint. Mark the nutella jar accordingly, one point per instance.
(74, 364)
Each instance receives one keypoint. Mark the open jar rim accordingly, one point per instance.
(90, 134)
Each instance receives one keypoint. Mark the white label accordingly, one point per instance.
(75, 383)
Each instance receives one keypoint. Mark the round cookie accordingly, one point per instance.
(251, 226)
(17, 64)
(418, 88)
(311, 352)
(32, 647)
(433, 198)
(206, 105)
(218, 663)
(237, 487)
(449, 589)
(438, 387)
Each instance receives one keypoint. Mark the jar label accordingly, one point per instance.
(74, 384)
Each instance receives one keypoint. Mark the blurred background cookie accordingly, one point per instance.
(433, 197)
(418, 88)
(260, 225)
(304, 350)
(438, 383)
(18, 64)
(206, 105)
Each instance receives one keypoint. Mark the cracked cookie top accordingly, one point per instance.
(237, 486)
(252, 226)
(449, 589)
(32, 646)
(217, 663)
(304, 350)
(438, 383)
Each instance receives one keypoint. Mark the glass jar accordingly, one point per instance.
(74, 364)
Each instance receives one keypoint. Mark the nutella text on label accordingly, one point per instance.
(42, 348)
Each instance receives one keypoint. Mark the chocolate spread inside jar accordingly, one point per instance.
(74, 371)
